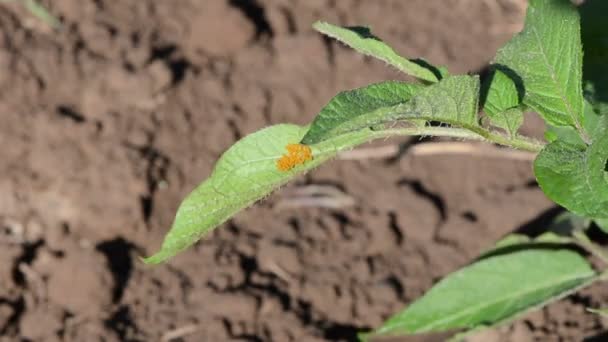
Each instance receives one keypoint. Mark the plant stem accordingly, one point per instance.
(583, 240)
(453, 132)
(521, 143)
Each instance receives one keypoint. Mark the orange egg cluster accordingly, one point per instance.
(297, 154)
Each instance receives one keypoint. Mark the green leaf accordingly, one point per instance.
(362, 40)
(547, 56)
(501, 101)
(453, 100)
(493, 290)
(510, 240)
(595, 44)
(244, 174)
(247, 171)
(574, 176)
(359, 108)
(575, 183)
(521, 241)
(502, 93)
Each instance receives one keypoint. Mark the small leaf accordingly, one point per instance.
(501, 102)
(502, 93)
(362, 40)
(493, 290)
(547, 56)
(244, 174)
(510, 120)
(359, 108)
(574, 176)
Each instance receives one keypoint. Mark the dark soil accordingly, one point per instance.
(107, 123)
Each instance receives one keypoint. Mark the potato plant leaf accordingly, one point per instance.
(492, 290)
(362, 40)
(547, 55)
(501, 94)
(359, 108)
(510, 120)
(501, 102)
(574, 176)
(452, 100)
(244, 174)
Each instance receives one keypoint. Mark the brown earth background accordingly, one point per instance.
(106, 124)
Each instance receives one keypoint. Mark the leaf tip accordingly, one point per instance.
(155, 259)
(307, 140)
(321, 26)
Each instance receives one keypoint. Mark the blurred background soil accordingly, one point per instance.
(107, 123)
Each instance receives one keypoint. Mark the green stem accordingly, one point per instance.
(583, 240)
(521, 143)
(462, 133)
